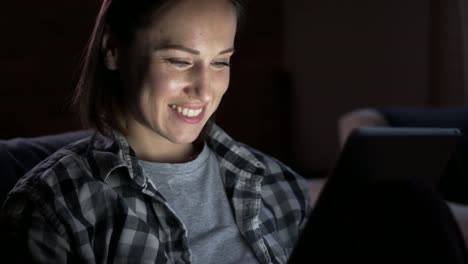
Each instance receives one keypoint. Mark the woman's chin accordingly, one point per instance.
(185, 137)
(185, 134)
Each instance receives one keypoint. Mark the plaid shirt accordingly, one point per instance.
(90, 202)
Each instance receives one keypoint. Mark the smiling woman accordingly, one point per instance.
(165, 68)
(159, 181)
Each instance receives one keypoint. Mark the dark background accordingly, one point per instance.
(299, 65)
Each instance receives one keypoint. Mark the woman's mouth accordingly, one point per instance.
(191, 115)
(188, 112)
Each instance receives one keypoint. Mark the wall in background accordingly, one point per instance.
(348, 54)
(39, 55)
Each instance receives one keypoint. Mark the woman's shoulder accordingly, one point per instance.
(63, 190)
(67, 163)
(67, 183)
(49, 182)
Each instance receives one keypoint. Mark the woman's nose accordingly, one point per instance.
(201, 85)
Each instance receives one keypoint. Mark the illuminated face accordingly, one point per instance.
(187, 73)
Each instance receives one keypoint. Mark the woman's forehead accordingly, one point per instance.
(185, 12)
(194, 21)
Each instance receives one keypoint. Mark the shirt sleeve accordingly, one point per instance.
(29, 237)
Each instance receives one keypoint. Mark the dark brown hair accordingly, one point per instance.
(99, 94)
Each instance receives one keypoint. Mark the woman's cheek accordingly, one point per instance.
(223, 82)
(163, 83)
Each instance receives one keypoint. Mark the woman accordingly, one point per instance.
(158, 182)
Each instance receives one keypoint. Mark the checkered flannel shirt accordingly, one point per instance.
(90, 202)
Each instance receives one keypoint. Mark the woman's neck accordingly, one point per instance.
(150, 146)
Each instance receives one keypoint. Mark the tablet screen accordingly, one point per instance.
(372, 155)
(418, 155)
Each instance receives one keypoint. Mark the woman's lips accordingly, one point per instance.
(191, 114)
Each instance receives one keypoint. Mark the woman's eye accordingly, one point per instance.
(221, 64)
(179, 63)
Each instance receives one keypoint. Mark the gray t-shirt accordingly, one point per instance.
(194, 190)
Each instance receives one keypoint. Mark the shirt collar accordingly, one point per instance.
(108, 153)
(232, 151)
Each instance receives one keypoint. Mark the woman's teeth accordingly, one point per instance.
(186, 111)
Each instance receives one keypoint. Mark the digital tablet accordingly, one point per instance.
(395, 153)
(371, 155)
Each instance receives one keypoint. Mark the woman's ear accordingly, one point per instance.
(110, 50)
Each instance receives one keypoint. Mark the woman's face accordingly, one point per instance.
(185, 73)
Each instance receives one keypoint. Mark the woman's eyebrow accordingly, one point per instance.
(230, 50)
(189, 50)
